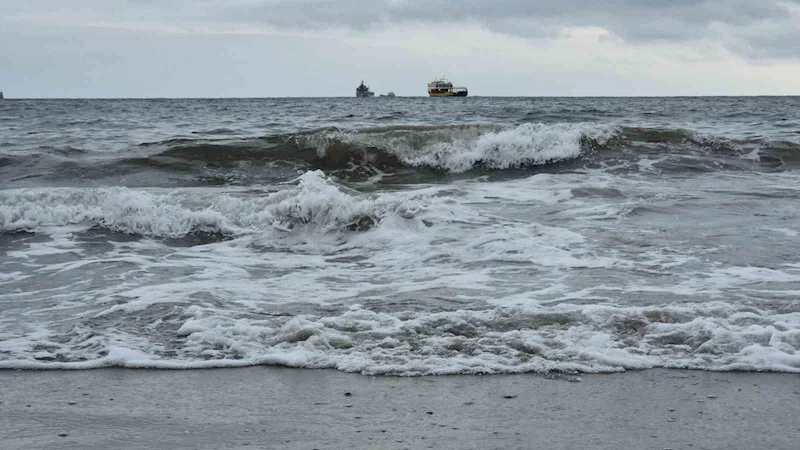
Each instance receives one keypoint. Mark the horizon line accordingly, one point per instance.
(401, 96)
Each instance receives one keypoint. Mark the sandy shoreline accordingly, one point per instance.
(267, 407)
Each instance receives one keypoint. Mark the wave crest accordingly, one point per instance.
(404, 154)
(528, 144)
(314, 202)
(459, 149)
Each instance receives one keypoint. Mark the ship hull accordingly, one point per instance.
(448, 94)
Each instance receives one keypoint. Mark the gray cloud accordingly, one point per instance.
(753, 28)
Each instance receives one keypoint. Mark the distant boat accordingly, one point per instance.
(363, 91)
(1, 95)
(390, 94)
(442, 87)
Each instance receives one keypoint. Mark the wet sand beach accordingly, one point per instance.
(267, 407)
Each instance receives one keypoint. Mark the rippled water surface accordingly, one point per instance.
(401, 236)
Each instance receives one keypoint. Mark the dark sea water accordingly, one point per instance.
(401, 235)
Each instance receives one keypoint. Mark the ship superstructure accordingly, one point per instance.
(363, 91)
(442, 87)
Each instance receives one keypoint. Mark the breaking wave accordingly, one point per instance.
(455, 149)
(459, 149)
(314, 201)
(423, 152)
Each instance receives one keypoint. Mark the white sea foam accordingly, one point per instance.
(539, 274)
(315, 202)
(591, 338)
(528, 144)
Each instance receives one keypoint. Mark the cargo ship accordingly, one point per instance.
(363, 91)
(442, 87)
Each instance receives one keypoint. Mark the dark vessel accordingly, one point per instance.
(363, 91)
(1, 95)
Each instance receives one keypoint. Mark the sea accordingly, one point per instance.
(401, 236)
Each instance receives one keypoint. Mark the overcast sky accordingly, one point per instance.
(275, 48)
